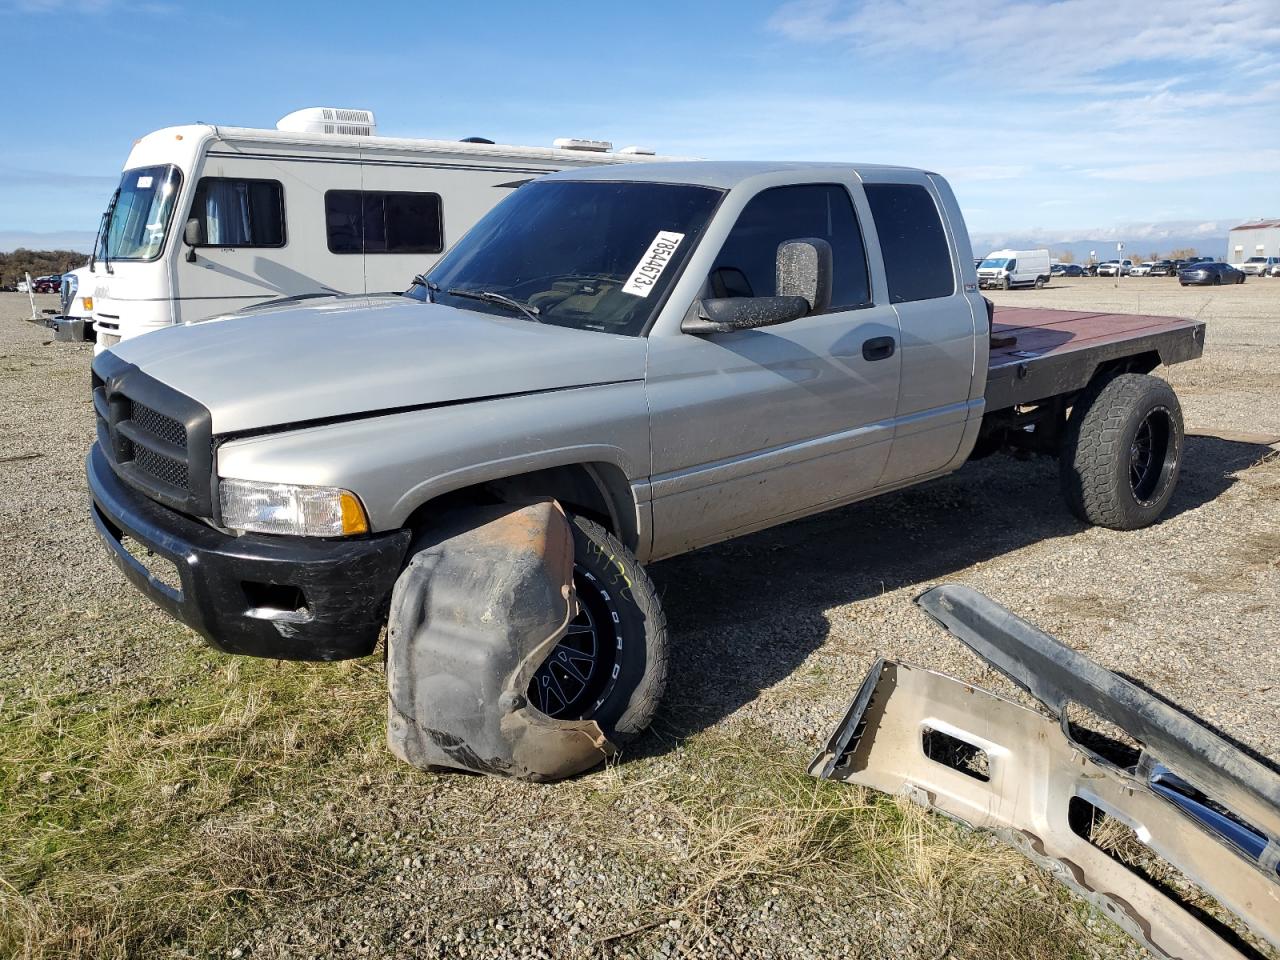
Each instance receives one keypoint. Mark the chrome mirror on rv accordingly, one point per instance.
(803, 287)
(191, 237)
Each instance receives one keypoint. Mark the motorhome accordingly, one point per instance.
(209, 219)
(1014, 268)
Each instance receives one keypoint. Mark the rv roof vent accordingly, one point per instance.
(639, 151)
(591, 146)
(352, 123)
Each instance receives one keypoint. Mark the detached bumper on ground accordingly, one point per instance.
(281, 597)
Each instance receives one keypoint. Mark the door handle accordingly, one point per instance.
(878, 348)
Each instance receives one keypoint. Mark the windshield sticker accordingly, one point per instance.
(645, 276)
(143, 183)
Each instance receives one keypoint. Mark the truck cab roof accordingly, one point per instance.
(727, 174)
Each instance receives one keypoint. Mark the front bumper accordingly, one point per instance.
(289, 598)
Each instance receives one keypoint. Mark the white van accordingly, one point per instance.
(1014, 268)
(208, 220)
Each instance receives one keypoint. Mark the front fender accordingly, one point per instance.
(398, 462)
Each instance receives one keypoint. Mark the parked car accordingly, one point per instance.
(1142, 269)
(1259, 266)
(684, 376)
(48, 284)
(1163, 268)
(1209, 274)
(1069, 270)
(1274, 271)
(1091, 269)
(1115, 268)
(1014, 268)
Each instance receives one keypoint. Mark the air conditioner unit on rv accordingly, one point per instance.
(354, 123)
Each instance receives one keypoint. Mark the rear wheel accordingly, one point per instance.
(1039, 283)
(1122, 452)
(611, 665)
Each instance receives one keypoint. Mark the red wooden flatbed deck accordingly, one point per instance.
(1040, 332)
(1056, 351)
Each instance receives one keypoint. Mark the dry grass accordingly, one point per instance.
(742, 828)
(138, 820)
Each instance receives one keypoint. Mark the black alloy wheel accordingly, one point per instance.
(579, 675)
(1149, 463)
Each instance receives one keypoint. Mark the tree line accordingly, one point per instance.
(39, 263)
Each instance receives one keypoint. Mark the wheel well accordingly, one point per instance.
(599, 491)
(1138, 363)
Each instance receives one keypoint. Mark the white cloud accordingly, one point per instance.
(1047, 46)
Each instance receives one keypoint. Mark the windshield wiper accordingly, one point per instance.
(489, 296)
(430, 286)
(106, 229)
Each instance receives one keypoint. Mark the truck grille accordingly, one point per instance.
(157, 424)
(158, 440)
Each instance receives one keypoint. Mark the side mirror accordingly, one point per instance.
(723, 314)
(803, 283)
(191, 237)
(804, 270)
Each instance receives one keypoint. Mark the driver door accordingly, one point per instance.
(752, 427)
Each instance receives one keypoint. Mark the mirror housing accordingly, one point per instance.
(191, 237)
(723, 314)
(803, 271)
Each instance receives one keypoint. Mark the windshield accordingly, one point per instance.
(140, 214)
(588, 255)
(996, 263)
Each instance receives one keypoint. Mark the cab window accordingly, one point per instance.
(239, 213)
(917, 258)
(747, 263)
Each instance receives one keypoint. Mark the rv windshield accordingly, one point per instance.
(585, 254)
(994, 263)
(140, 214)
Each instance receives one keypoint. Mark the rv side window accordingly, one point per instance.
(917, 259)
(383, 222)
(239, 213)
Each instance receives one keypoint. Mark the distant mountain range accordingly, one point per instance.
(1207, 238)
(81, 240)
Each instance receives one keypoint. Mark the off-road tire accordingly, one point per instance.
(642, 667)
(1103, 438)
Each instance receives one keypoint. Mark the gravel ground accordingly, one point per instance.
(771, 635)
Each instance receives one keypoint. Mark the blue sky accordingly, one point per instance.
(1080, 115)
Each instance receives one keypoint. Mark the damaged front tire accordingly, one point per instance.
(611, 665)
(521, 642)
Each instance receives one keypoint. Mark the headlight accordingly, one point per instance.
(286, 508)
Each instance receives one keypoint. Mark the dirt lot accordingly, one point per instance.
(158, 799)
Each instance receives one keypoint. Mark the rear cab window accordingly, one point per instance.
(913, 242)
(747, 263)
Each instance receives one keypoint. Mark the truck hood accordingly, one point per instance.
(365, 355)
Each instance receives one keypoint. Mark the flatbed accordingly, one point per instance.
(1038, 353)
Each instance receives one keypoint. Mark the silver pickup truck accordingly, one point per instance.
(675, 354)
